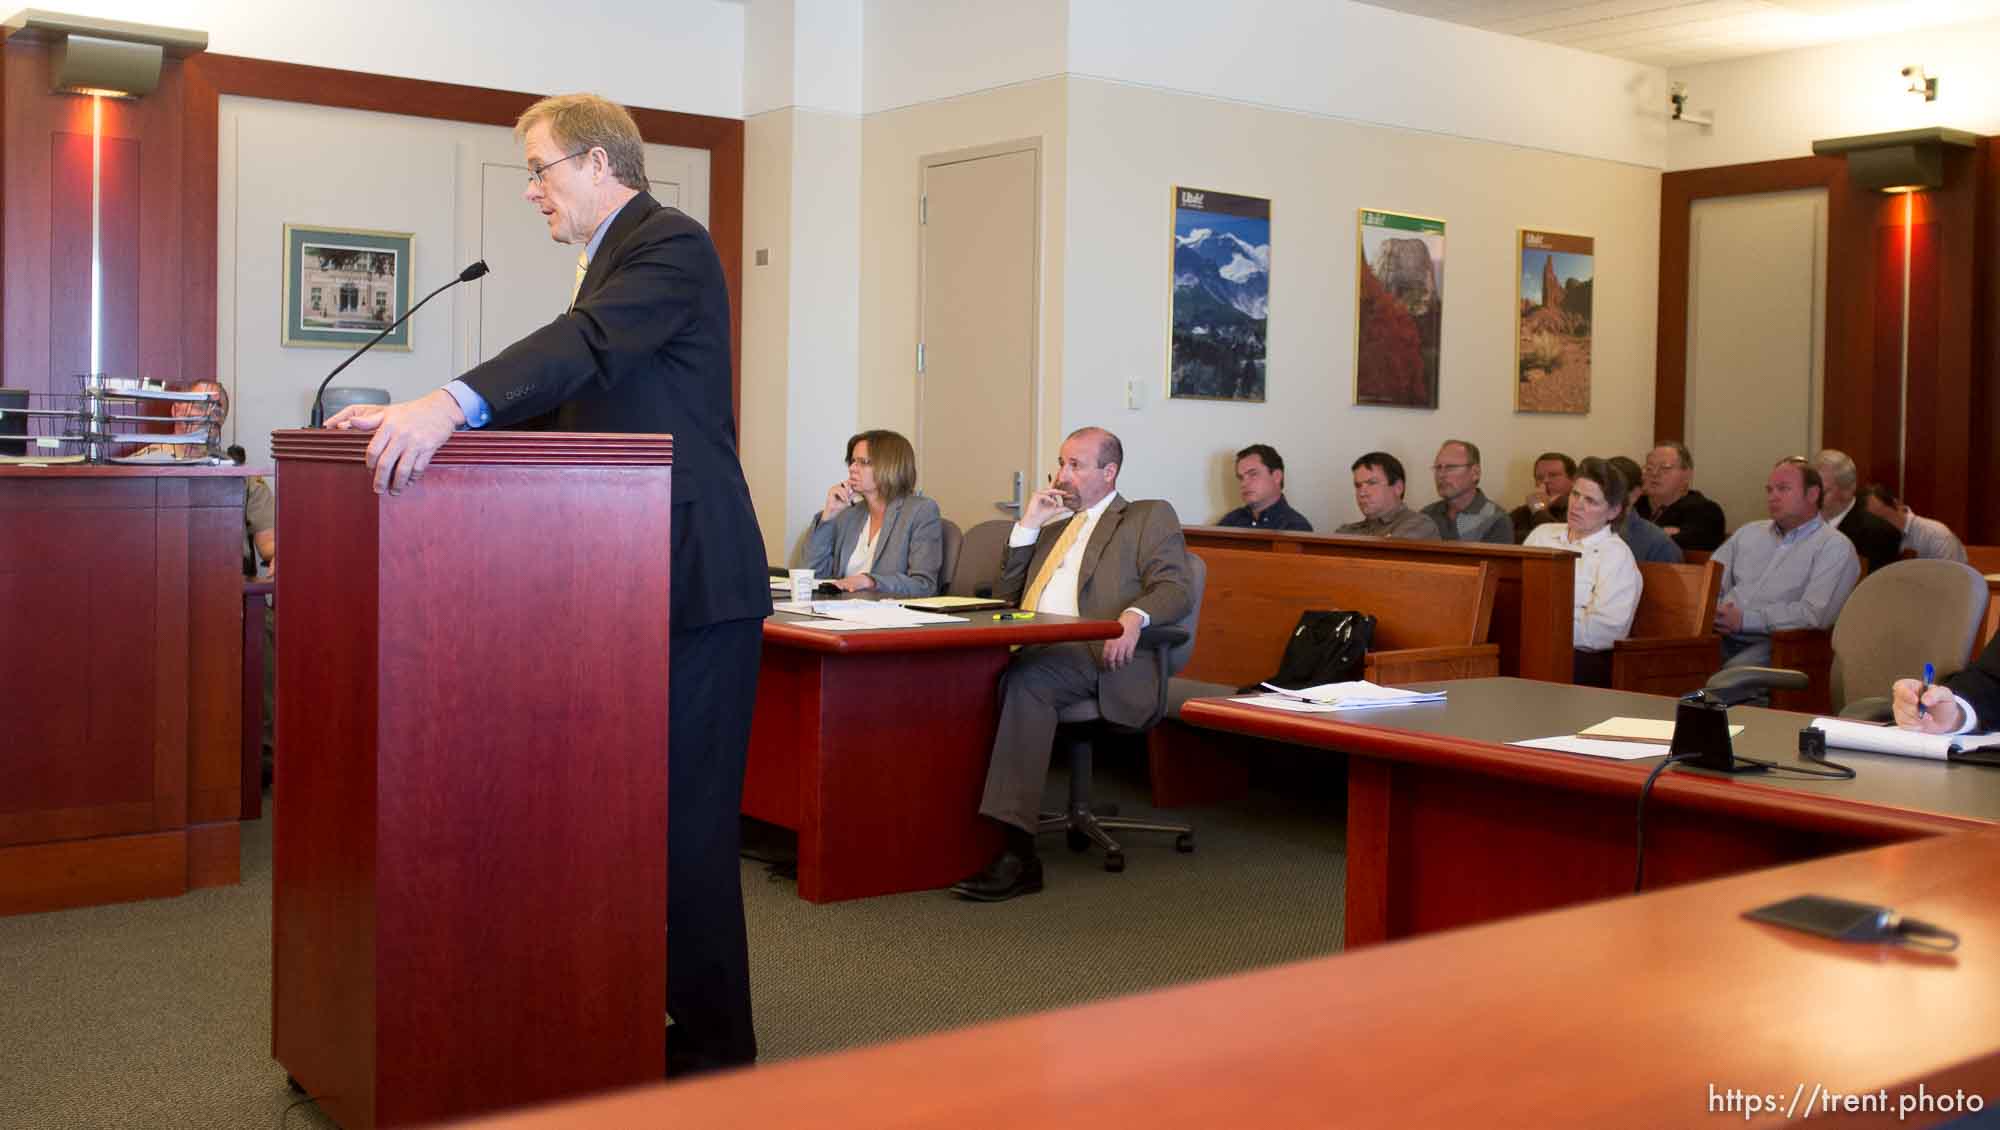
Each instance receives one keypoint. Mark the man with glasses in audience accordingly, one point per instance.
(1462, 511)
(1671, 503)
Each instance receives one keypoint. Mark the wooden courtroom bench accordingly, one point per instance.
(1532, 603)
(1430, 621)
(1672, 648)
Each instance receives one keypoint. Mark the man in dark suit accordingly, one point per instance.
(1879, 543)
(644, 347)
(1966, 702)
(1079, 549)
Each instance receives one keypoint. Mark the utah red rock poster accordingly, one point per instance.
(1552, 342)
(1399, 316)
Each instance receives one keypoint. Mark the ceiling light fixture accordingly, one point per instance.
(106, 58)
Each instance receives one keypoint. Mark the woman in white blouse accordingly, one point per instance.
(875, 533)
(1607, 578)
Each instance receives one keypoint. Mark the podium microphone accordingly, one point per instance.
(319, 410)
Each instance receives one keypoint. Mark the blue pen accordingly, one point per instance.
(1930, 673)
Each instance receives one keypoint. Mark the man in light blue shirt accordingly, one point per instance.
(1793, 571)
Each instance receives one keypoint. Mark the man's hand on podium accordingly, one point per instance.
(406, 435)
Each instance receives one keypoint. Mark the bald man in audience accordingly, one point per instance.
(1079, 549)
(1926, 537)
(1792, 571)
(1688, 516)
(1378, 493)
(1462, 511)
(1878, 543)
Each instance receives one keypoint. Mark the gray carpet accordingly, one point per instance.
(157, 1014)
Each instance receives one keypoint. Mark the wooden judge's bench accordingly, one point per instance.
(121, 648)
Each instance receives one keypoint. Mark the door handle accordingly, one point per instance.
(1015, 505)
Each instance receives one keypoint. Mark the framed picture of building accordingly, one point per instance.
(1552, 334)
(1220, 295)
(344, 286)
(1399, 309)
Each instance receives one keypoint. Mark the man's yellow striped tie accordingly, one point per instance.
(1050, 563)
(582, 265)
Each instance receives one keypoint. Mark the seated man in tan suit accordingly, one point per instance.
(1090, 553)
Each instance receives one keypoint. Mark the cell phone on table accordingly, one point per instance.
(1830, 918)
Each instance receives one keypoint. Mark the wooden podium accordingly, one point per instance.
(470, 840)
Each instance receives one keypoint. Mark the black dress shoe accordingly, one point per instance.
(1009, 874)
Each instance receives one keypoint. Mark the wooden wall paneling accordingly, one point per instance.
(215, 619)
(68, 271)
(1851, 296)
(1983, 523)
(200, 117)
(24, 323)
(171, 664)
(1941, 401)
(153, 125)
(208, 76)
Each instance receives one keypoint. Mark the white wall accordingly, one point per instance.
(916, 51)
(1369, 64)
(1128, 145)
(1774, 106)
(684, 55)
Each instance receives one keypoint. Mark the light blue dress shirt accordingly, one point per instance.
(477, 413)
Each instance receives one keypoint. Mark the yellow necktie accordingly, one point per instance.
(1051, 563)
(582, 265)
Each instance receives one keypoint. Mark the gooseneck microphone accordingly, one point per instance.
(319, 409)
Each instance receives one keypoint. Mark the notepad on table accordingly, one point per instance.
(953, 603)
(1870, 737)
(1652, 731)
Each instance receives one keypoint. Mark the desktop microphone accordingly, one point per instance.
(319, 410)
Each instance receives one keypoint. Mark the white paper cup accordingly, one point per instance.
(802, 584)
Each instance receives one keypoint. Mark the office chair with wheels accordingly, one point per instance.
(979, 557)
(1080, 726)
(1899, 618)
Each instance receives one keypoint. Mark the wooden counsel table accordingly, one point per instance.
(873, 745)
(1666, 1010)
(121, 600)
(1447, 825)
(1533, 603)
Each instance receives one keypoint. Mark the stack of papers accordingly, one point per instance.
(855, 615)
(1328, 697)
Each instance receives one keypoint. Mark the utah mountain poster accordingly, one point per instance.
(1552, 341)
(1399, 310)
(1221, 295)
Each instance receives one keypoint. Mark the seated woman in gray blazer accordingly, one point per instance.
(876, 534)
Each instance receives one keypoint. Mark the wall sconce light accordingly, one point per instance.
(110, 58)
(1920, 83)
(1906, 161)
(1677, 97)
